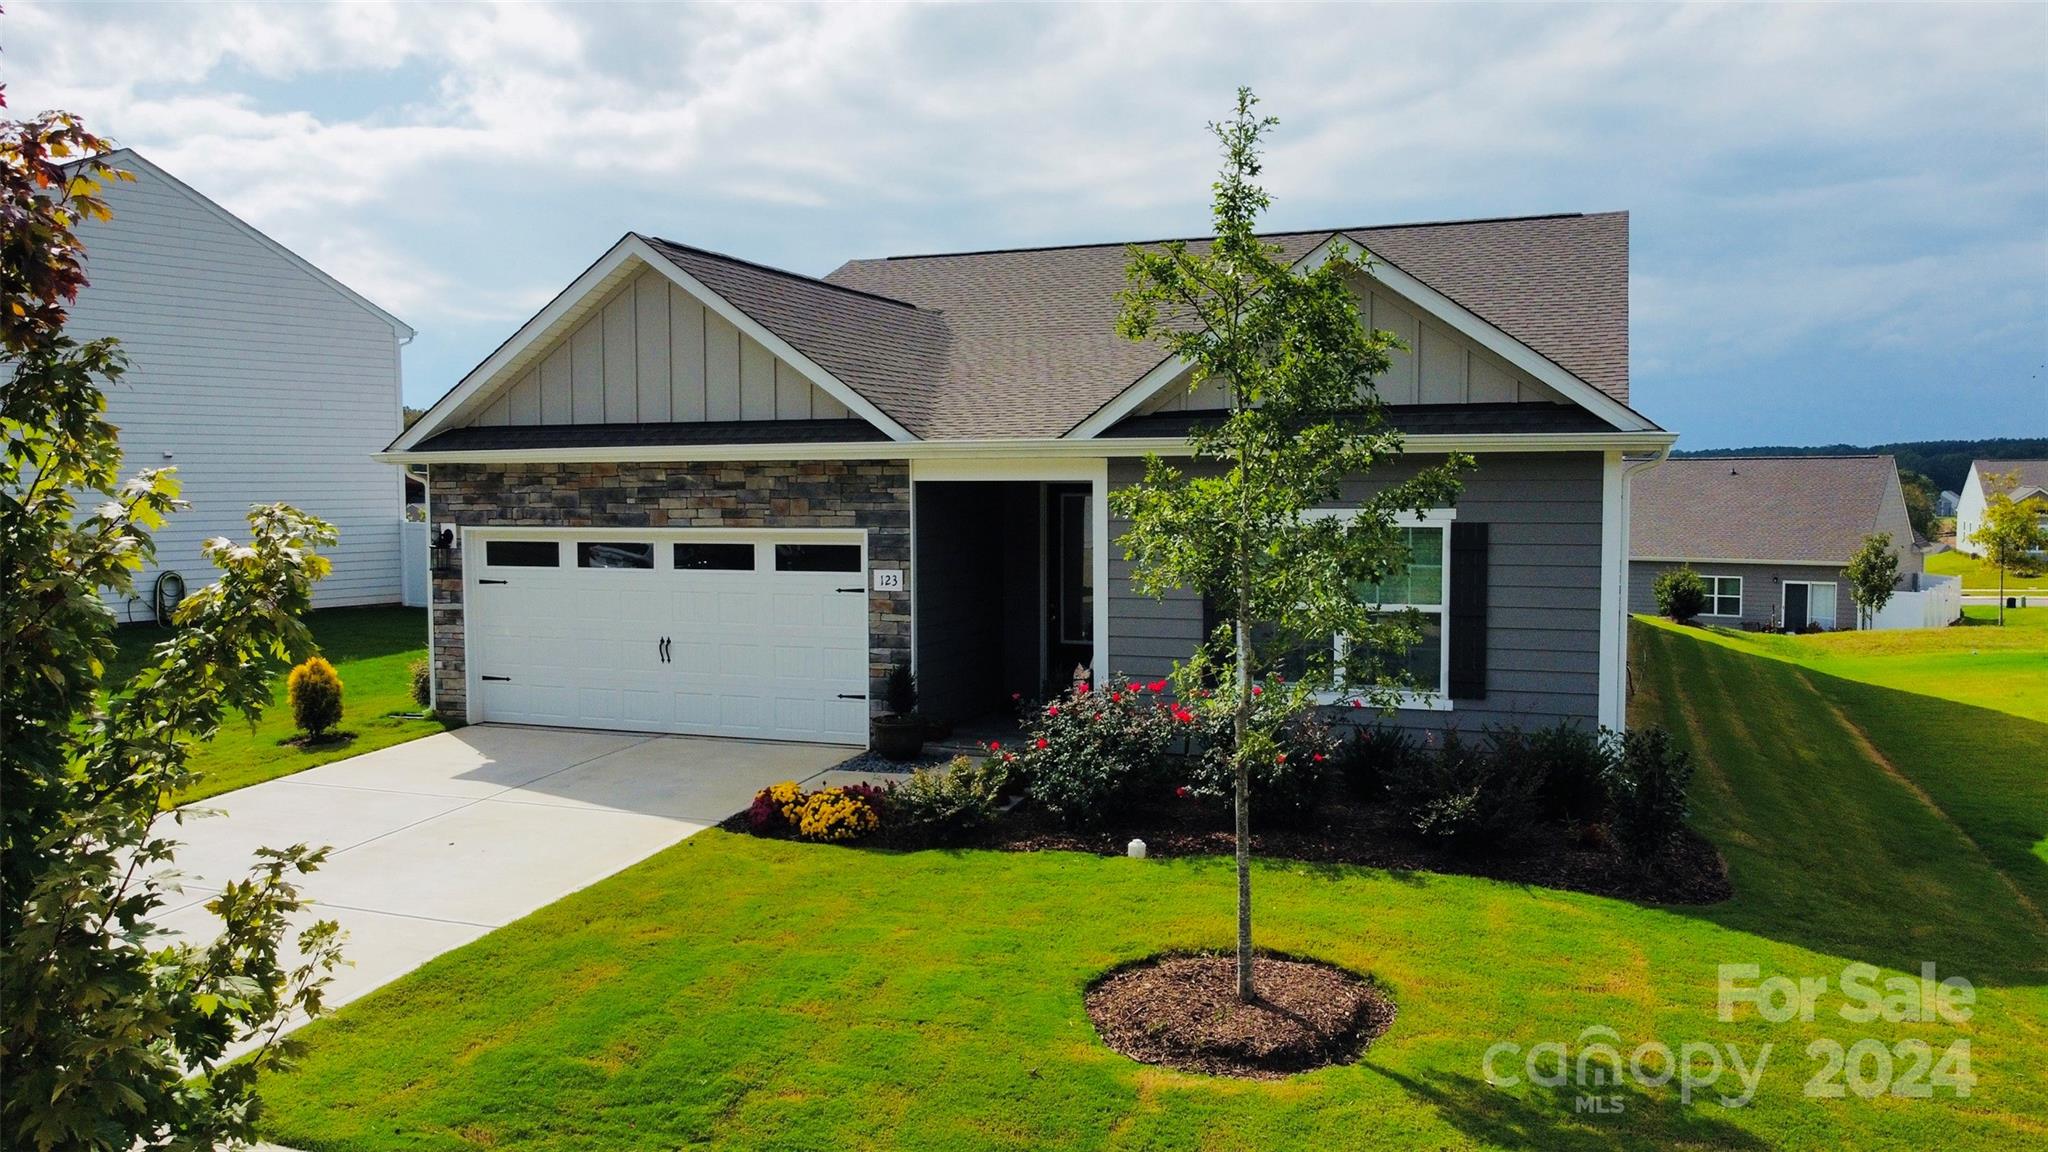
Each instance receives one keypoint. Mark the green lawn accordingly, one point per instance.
(1972, 663)
(740, 993)
(1981, 577)
(373, 650)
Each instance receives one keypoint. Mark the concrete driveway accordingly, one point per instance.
(440, 840)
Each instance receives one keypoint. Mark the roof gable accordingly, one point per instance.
(128, 158)
(511, 368)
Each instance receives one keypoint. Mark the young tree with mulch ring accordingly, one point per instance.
(1241, 525)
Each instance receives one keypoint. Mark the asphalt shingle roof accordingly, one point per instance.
(1022, 343)
(1783, 508)
(1034, 351)
(2033, 473)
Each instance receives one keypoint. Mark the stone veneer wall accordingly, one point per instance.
(874, 495)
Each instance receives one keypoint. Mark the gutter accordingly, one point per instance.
(1658, 443)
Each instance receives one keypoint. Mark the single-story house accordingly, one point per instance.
(258, 376)
(697, 494)
(1946, 503)
(1769, 535)
(2025, 480)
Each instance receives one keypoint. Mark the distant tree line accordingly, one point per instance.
(1944, 462)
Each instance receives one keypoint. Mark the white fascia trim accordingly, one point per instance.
(444, 410)
(1440, 306)
(131, 156)
(1698, 560)
(810, 369)
(1127, 401)
(998, 449)
(1469, 324)
(469, 394)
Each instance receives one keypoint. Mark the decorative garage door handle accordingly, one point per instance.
(855, 588)
(501, 679)
(491, 581)
(661, 649)
(853, 695)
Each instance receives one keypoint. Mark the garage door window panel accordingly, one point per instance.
(614, 554)
(714, 557)
(817, 557)
(522, 553)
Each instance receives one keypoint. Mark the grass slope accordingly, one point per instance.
(1976, 663)
(1981, 577)
(372, 649)
(740, 993)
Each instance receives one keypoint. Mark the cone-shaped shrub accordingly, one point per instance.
(314, 692)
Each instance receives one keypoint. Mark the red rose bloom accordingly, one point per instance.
(1042, 743)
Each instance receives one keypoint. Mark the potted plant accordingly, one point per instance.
(898, 734)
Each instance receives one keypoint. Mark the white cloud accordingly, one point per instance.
(1800, 174)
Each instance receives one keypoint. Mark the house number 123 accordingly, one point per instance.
(888, 579)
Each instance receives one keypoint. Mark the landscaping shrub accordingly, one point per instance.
(899, 691)
(1650, 780)
(423, 683)
(1287, 788)
(838, 814)
(1575, 767)
(1372, 755)
(1092, 753)
(775, 807)
(1681, 594)
(314, 692)
(951, 802)
(1467, 796)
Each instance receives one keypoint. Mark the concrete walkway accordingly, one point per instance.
(438, 841)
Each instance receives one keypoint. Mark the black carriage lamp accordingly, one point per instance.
(443, 553)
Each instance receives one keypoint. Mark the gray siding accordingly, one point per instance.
(1543, 589)
(1762, 589)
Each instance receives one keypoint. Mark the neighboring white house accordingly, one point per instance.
(258, 376)
(2031, 478)
(1945, 504)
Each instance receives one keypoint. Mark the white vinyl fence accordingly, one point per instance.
(412, 558)
(1933, 602)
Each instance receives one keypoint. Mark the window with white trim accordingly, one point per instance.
(1422, 584)
(1724, 595)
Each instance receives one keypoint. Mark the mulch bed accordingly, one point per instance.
(1344, 831)
(1182, 1011)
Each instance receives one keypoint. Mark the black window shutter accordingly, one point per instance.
(1468, 611)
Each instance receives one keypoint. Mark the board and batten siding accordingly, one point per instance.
(1543, 591)
(1437, 366)
(257, 379)
(652, 353)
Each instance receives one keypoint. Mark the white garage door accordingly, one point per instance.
(761, 635)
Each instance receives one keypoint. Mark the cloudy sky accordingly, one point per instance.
(1840, 227)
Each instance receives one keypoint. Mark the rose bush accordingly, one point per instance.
(1096, 751)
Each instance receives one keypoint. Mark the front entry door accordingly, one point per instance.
(1069, 583)
(1795, 607)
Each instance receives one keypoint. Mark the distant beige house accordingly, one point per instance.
(2029, 480)
(1769, 535)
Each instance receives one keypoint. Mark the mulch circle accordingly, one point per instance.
(1181, 1010)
